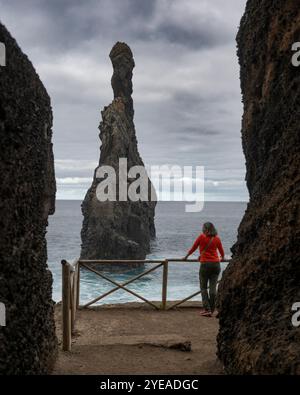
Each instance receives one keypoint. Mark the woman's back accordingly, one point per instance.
(211, 251)
(208, 248)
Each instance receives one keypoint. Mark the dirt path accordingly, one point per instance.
(135, 339)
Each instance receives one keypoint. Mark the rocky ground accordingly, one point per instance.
(136, 339)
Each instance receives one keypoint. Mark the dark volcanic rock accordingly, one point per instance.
(262, 282)
(117, 229)
(27, 344)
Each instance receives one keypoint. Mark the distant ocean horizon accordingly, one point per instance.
(176, 230)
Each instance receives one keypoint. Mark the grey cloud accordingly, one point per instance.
(140, 8)
(197, 131)
(66, 24)
(194, 39)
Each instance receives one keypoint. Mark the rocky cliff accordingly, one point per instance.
(117, 229)
(27, 193)
(262, 282)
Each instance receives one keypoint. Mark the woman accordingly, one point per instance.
(209, 244)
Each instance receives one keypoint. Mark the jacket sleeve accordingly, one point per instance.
(220, 248)
(195, 246)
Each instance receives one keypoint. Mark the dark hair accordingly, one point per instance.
(209, 229)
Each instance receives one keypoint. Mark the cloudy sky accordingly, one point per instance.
(186, 82)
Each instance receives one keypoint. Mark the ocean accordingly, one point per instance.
(176, 230)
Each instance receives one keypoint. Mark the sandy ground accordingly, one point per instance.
(136, 339)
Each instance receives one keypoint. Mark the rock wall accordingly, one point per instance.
(27, 194)
(262, 282)
(117, 229)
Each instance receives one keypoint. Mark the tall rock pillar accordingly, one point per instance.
(117, 229)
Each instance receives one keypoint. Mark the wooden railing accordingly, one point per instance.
(71, 289)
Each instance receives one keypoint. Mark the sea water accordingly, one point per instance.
(176, 231)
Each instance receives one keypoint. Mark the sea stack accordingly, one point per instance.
(28, 343)
(261, 284)
(117, 229)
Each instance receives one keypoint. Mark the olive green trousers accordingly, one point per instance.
(208, 276)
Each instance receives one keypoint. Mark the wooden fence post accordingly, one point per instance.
(165, 285)
(73, 296)
(78, 286)
(66, 312)
(72, 299)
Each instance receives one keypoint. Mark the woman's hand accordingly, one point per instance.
(185, 258)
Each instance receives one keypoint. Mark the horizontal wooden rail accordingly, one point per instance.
(121, 261)
(174, 260)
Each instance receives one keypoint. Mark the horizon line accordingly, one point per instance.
(172, 201)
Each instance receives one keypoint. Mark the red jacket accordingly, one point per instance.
(211, 252)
